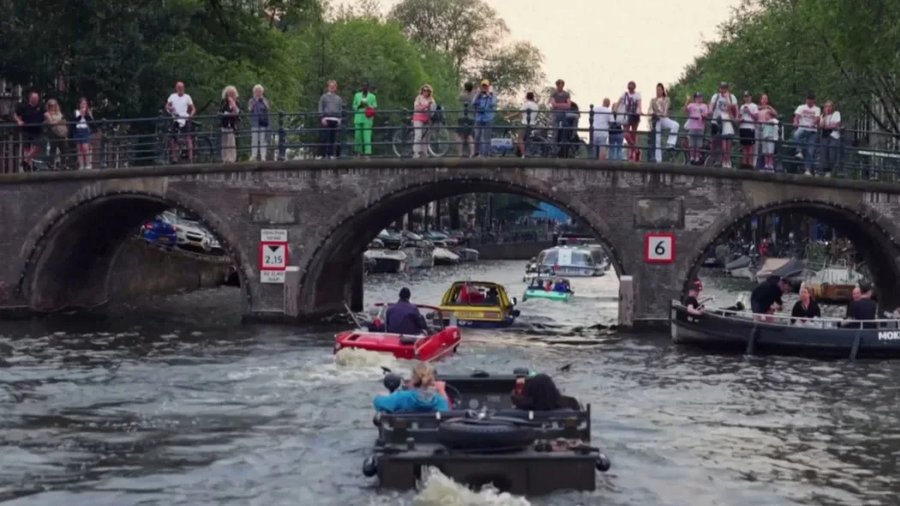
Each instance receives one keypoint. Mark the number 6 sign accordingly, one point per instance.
(659, 248)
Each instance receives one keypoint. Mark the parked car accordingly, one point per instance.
(160, 230)
(191, 234)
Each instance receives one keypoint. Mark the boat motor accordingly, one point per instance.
(370, 467)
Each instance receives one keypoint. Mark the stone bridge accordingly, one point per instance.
(62, 231)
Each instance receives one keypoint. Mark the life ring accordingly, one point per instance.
(484, 434)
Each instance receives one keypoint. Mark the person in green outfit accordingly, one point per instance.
(364, 106)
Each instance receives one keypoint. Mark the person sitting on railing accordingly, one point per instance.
(659, 109)
(422, 394)
(690, 302)
(805, 308)
(404, 317)
(541, 394)
(766, 298)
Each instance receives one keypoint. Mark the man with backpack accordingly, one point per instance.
(723, 108)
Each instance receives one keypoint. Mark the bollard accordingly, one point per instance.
(626, 302)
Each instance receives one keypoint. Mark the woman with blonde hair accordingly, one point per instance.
(57, 132)
(229, 113)
(421, 394)
(422, 109)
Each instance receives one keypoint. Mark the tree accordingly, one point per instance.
(848, 52)
(472, 34)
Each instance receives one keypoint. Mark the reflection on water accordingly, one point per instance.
(176, 403)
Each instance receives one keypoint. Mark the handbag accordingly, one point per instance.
(370, 112)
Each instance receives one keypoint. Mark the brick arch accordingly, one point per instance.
(360, 219)
(871, 233)
(70, 249)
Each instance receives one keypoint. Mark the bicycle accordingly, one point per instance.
(540, 143)
(435, 135)
(202, 143)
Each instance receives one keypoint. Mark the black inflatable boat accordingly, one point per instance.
(485, 440)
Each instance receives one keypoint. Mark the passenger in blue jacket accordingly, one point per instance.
(423, 394)
(404, 317)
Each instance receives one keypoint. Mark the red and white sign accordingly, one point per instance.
(273, 259)
(659, 248)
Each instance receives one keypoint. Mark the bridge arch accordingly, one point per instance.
(71, 249)
(324, 286)
(876, 239)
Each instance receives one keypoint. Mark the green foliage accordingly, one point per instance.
(843, 50)
(472, 34)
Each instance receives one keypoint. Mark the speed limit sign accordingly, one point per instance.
(659, 248)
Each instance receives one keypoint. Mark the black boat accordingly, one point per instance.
(491, 442)
(730, 330)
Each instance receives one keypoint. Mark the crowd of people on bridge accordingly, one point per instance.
(712, 126)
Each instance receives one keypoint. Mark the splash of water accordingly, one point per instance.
(439, 490)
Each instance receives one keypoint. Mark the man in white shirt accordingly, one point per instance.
(181, 107)
(806, 118)
(723, 108)
(600, 125)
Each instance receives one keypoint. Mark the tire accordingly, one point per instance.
(402, 142)
(487, 434)
(439, 142)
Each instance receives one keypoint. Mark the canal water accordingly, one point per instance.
(174, 402)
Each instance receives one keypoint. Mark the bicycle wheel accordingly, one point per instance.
(439, 141)
(203, 150)
(402, 143)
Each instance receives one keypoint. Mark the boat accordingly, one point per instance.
(739, 330)
(386, 260)
(484, 439)
(419, 254)
(479, 304)
(467, 254)
(443, 256)
(834, 283)
(569, 261)
(537, 289)
(442, 341)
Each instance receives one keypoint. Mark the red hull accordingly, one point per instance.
(426, 349)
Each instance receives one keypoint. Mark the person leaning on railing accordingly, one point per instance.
(830, 125)
(806, 119)
(229, 113)
(29, 116)
(600, 124)
(422, 109)
(258, 107)
(57, 134)
(697, 112)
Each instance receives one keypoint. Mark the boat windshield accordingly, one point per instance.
(475, 294)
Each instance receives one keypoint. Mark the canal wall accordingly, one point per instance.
(141, 269)
(512, 250)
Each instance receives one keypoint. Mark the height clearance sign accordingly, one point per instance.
(273, 255)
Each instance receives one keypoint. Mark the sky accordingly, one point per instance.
(597, 46)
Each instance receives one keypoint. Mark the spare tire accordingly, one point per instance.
(485, 434)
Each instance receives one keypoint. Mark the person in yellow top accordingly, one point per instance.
(364, 107)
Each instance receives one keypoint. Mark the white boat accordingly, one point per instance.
(769, 266)
(386, 260)
(443, 256)
(569, 261)
(419, 254)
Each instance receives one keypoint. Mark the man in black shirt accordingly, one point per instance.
(862, 307)
(30, 117)
(690, 302)
(767, 296)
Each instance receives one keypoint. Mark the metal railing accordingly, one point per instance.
(302, 135)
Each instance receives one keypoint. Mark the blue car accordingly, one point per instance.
(160, 230)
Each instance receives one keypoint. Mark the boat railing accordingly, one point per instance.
(786, 319)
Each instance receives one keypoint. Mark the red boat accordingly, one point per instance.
(442, 341)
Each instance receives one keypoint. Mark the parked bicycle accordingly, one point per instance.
(202, 143)
(435, 135)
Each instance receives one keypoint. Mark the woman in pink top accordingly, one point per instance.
(697, 113)
(421, 116)
(768, 120)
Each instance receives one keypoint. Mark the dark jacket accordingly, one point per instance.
(764, 295)
(405, 318)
